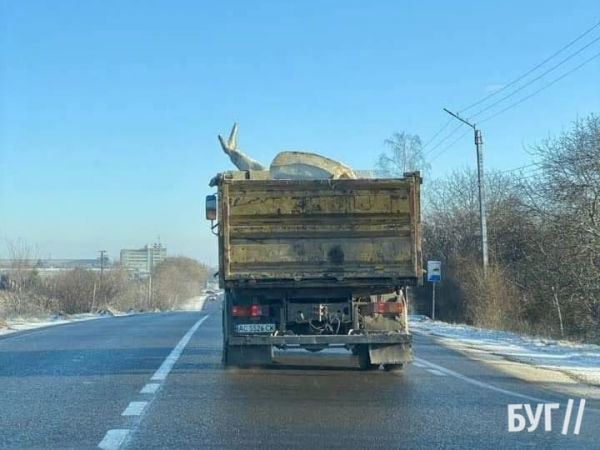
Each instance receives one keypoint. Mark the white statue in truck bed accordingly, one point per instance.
(287, 165)
(241, 161)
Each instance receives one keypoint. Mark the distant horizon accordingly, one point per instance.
(4, 255)
(108, 260)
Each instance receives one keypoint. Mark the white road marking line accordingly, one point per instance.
(416, 364)
(168, 363)
(134, 409)
(436, 372)
(150, 388)
(423, 363)
(113, 439)
(485, 385)
(479, 383)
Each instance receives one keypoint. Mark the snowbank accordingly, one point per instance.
(579, 361)
(29, 323)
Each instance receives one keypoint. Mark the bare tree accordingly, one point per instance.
(404, 154)
(451, 233)
(565, 201)
(544, 241)
(22, 276)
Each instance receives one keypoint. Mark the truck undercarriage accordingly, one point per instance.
(374, 329)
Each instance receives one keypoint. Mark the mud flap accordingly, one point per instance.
(248, 355)
(390, 354)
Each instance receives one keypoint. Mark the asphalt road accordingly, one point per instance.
(155, 381)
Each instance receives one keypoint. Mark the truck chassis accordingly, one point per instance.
(390, 345)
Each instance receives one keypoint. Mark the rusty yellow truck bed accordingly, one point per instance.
(325, 233)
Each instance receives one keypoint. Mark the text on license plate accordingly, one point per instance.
(255, 328)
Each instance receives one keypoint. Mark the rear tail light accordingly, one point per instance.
(382, 308)
(250, 311)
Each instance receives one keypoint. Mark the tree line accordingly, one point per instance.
(24, 292)
(543, 238)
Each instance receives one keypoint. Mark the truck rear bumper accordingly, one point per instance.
(354, 339)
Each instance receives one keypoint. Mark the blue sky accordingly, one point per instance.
(110, 110)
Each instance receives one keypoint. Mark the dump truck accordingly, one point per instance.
(316, 264)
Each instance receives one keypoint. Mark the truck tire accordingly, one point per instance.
(393, 367)
(224, 356)
(364, 361)
(225, 345)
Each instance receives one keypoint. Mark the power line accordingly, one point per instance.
(515, 92)
(527, 176)
(536, 78)
(519, 168)
(449, 146)
(581, 36)
(587, 61)
(437, 134)
(444, 140)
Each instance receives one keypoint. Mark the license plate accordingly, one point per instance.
(255, 328)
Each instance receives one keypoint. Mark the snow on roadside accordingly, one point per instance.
(193, 304)
(580, 361)
(31, 323)
(21, 324)
(197, 303)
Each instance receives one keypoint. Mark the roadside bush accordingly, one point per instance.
(491, 301)
(82, 290)
(543, 240)
(134, 296)
(75, 291)
(175, 280)
(24, 295)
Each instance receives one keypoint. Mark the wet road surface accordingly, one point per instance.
(155, 381)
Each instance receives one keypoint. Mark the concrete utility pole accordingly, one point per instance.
(149, 292)
(479, 148)
(102, 253)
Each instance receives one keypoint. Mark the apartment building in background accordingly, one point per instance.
(142, 262)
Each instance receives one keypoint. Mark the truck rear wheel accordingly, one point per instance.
(224, 354)
(364, 361)
(393, 367)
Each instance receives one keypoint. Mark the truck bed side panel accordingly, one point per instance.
(359, 231)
